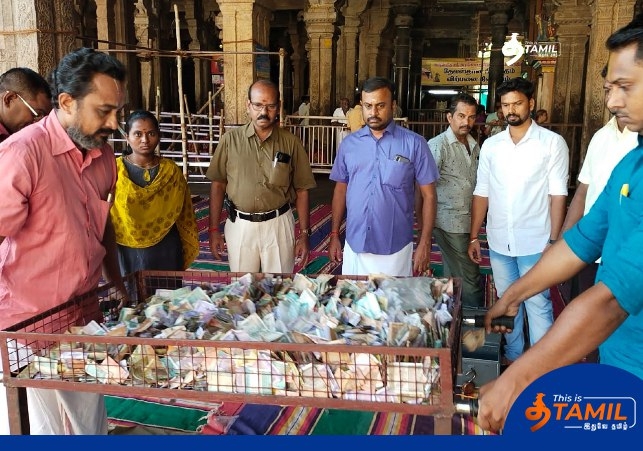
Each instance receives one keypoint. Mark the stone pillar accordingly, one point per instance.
(238, 36)
(105, 9)
(320, 19)
(415, 76)
(385, 54)
(403, 10)
(142, 25)
(375, 21)
(297, 59)
(350, 32)
(475, 35)
(606, 17)
(201, 66)
(499, 17)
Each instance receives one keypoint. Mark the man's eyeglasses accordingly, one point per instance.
(36, 115)
(261, 106)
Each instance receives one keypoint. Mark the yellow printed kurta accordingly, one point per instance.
(142, 216)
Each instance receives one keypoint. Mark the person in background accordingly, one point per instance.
(607, 315)
(456, 155)
(25, 98)
(260, 169)
(375, 171)
(304, 110)
(521, 189)
(606, 149)
(495, 122)
(355, 117)
(541, 117)
(153, 217)
(57, 181)
(339, 118)
(478, 130)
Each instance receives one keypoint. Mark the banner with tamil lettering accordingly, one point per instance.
(460, 71)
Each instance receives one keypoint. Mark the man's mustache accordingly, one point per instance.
(263, 116)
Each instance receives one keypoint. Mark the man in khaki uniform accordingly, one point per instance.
(259, 169)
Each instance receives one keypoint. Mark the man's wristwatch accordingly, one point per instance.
(307, 232)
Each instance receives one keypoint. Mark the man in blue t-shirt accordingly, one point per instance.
(609, 313)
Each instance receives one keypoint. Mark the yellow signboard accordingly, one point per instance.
(460, 72)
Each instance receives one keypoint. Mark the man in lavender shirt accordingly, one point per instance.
(376, 170)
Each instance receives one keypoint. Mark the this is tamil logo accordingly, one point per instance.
(590, 413)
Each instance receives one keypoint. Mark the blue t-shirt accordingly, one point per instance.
(613, 228)
(381, 176)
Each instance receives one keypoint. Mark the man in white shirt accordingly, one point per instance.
(606, 149)
(339, 118)
(304, 110)
(521, 188)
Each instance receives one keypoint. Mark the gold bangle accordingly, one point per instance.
(473, 240)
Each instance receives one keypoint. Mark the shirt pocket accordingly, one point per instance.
(397, 174)
(280, 175)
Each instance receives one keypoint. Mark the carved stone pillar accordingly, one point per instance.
(297, 59)
(385, 53)
(375, 20)
(238, 36)
(499, 17)
(475, 35)
(320, 19)
(403, 10)
(45, 31)
(606, 17)
(415, 75)
(105, 9)
(200, 66)
(349, 39)
(146, 34)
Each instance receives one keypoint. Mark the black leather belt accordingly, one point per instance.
(265, 216)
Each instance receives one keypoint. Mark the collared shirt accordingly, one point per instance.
(256, 181)
(381, 176)
(4, 133)
(339, 116)
(457, 169)
(53, 211)
(518, 180)
(606, 148)
(613, 228)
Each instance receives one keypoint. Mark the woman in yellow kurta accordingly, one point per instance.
(152, 214)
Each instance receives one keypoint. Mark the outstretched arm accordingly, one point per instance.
(584, 324)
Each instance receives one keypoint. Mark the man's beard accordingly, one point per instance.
(87, 141)
(516, 120)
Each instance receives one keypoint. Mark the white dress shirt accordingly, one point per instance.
(518, 179)
(606, 149)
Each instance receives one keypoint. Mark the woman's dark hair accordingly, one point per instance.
(76, 70)
(141, 114)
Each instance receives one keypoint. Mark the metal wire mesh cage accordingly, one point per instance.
(151, 345)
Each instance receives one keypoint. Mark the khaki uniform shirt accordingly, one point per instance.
(457, 180)
(256, 181)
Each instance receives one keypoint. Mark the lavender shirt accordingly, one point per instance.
(381, 176)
